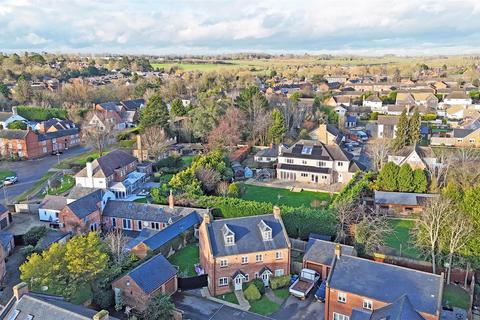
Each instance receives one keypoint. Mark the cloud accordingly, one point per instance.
(214, 26)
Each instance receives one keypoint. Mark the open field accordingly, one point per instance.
(400, 239)
(282, 196)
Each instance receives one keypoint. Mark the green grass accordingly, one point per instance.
(127, 144)
(35, 188)
(401, 237)
(229, 297)
(81, 295)
(79, 160)
(163, 178)
(281, 293)
(186, 259)
(141, 200)
(455, 296)
(67, 183)
(279, 196)
(6, 173)
(264, 306)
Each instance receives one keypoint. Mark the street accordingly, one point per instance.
(29, 171)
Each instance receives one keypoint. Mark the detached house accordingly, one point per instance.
(8, 117)
(387, 127)
(234, 251)
(314, 162)
(116, 171)
(373, 102)
(457, 98)
(358, 288)
(416, 157)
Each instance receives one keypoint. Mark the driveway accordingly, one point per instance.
(29, 171)
(294, 308)
(198, 308)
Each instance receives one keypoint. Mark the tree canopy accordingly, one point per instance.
(155, 113)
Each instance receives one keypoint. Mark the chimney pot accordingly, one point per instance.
(206, 218)
(276, 212)
(338, 251)
(89, 169)
(101, 315)
(19, 290)
(171, 200)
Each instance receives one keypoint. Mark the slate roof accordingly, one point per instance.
(87, 204)
(358, 314)
(160, 238)
(5, 239)
(105, 165)
(58, 134)
(459, 133)
(50, 238)
(248, 237)
(5, 115)
(150, 275)
(51, 202)
(400, 309)
(320, 151)
(323, 252)
(13, 134)
(132, 105)
(145, 211)
(402, 198)
(423, 152)
(385, 282)
(110, 105)
(271, 152)
(3, 208)
(78, 192)
(42, 306)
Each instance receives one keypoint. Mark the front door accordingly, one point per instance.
(238, 283)
(265, 277)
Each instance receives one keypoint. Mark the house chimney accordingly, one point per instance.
(19, 290)
(171, 201)
(101, 315)
(89, 169)
(276, 212)
(14, 111)
(338, 250)
(139, 148)
(206, 218)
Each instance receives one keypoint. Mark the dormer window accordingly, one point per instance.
(265, 230)
(229, 240)
(228, 236)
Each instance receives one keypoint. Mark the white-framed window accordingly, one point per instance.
(114, 222)
(259, 257)
(278, 255)
(339, 316)
(279, 272)
(247, 277)
(267, 235)
(230, 240)
(155, 225)
(367, 304)
(244, 259)
(340, 164)
(223, 263)
(139, 224)
(289, 160)
(222, 282)
(342, 297)
(321, 163)
(127, 224)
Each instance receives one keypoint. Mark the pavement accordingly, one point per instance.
(197, 308)
(294, 308)
(30, 171)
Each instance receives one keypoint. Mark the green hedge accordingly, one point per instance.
(279, 282)
(260, 285)
(251, 292)
(41, 114)
(355, 188)
(299, 222)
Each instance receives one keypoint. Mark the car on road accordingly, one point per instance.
(10, 180)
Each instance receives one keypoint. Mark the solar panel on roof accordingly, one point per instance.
(307, 150)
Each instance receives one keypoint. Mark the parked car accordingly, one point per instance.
(321, 291)
(10, 180)
(304, 284)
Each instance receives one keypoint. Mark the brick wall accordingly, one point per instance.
(72, 223)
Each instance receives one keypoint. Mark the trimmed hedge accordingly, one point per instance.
(279, 282)
(259, 284)
(41, 114)
(355, 188)
(252, 293)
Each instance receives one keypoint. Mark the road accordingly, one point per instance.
(29, 171)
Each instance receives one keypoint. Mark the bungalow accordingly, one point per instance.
(459, 138)
(416, 156)
(358, 288)
(154, 277)
(457, 97)
(373, 102)
(402, 203)
(8, 117)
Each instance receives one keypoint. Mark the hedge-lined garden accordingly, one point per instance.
(41, 114)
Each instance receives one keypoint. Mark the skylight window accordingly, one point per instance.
(307, 150)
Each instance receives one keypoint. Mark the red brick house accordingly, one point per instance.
(233, 251)
(27, 144)
(151, 278)
(358, 288)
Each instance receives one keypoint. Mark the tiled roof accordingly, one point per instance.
(133, 104)
(248, 237)
(150, 275)
(319, 151)
(13, 134)
(386, 283)
(5, 115)
(58, 134)
(402, 308)
(86, 205)
(106, 164)
(78, 192)
(462, 133)
(322, 252)
(423, 152)
(402, 198)
(51, 202)
(294, 167)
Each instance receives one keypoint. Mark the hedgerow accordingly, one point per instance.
(41, 114)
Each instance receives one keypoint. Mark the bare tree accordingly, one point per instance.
(430, 224)
(459, 229)
(99, 137)
(209, 178)
(438, 171)
(378, 151)
(371, 232)
(345, 211)
(155, 141)
(222, 188)
(261, 125)
(116, 242)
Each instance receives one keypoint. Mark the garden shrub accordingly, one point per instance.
(103, 298)
(251, 292)
(34, 235)
(259, 284)
(279, 282)
(27, 251)
(41, 114)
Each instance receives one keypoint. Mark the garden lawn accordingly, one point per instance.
(279, 196)
(281, 293)
(401, 237)
(67, 183)
(185, 259)
(263, 306)
(229, 297)
(6, 173)
(455, 296)
(81, 295)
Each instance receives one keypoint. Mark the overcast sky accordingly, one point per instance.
(197, 27)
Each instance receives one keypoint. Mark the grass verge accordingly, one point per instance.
(229, 297)
(36, 187)
(6, 173)
(264, 306)
(67, 183)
